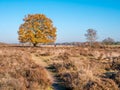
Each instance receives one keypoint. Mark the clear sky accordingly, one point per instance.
(71, 18)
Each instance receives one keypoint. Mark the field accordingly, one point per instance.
(59, 68)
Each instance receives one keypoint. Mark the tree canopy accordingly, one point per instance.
(91, 36)
(37, 28)
(108, 41)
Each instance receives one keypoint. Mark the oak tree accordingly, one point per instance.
(91, 36)
(37, 28)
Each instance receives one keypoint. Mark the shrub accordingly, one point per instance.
(117, 78)
(18, 72)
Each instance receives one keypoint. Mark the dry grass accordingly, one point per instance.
(117, 78)
(77, 68)
(19, 72)
(82, 71)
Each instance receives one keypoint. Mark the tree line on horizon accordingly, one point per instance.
(37, 28)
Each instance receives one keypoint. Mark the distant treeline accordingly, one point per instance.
(86, 43)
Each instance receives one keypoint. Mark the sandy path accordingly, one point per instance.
(42, 63)
(39, 61)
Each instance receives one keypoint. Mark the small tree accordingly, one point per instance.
(36, 29)
(108, 41)
(91, 36)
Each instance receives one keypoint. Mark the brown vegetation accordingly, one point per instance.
(75, 68)
(18, 72)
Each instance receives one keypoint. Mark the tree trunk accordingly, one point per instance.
(34, 44)
(91, 44)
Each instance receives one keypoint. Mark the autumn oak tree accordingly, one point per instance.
(37, 28)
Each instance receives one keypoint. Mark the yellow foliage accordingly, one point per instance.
(36, 29)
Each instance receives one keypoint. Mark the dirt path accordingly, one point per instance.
(39, 61)
(51, 75)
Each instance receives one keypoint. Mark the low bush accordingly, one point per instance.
(18, 72)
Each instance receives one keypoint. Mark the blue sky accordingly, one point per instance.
(71, 18)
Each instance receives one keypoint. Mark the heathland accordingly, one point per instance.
(59, 68)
